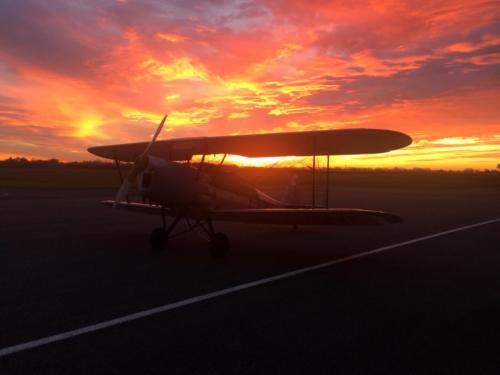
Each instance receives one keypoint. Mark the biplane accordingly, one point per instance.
(202, 193)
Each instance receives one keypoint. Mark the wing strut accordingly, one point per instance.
(327, 180)
(222, 161)
(119, 169)
(200, 167)
(117, 163)
(314, 183)
(313, 203)
(219, 167)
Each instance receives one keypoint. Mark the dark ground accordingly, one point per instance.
(430, 307)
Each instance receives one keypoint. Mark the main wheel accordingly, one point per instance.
(158, 239)
(219, 245)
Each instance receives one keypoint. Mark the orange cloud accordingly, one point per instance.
(173, 38)
(72, 76)
(488, 40)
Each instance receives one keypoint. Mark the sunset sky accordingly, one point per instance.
(74, 74)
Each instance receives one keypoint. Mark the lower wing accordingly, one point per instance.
(289, 216)
(307, 216)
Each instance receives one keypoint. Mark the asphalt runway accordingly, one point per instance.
(430, 306)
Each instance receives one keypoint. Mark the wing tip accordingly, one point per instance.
(99, 151)
(406, 140)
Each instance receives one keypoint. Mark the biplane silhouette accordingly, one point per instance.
(202, 193)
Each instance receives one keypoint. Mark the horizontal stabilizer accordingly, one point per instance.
(138, 207)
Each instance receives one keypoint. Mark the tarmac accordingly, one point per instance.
(318, 300)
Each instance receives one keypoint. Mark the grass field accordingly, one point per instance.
(380, 179)
(58, 178)
(83, 178)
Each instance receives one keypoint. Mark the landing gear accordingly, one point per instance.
(158, 239)
(219, 245)
(159, 236)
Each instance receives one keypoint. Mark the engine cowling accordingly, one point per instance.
(175, 185)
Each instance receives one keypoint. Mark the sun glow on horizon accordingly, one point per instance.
(88, 127)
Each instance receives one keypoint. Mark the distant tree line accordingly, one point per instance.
(54, 163)
(21, 162)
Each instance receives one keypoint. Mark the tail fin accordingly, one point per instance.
(291, 197)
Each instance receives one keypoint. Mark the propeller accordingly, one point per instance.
(140, 164)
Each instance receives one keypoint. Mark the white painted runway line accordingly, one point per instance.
(172, 306)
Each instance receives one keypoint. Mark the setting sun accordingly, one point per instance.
(87, 127)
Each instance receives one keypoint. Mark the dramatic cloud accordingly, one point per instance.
(75, 74)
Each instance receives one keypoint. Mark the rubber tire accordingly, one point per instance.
(158, 239)
(219, 245)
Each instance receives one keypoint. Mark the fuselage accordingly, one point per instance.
(182, 187)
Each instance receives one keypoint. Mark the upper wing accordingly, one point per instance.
(327, 142)
(298, 216)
